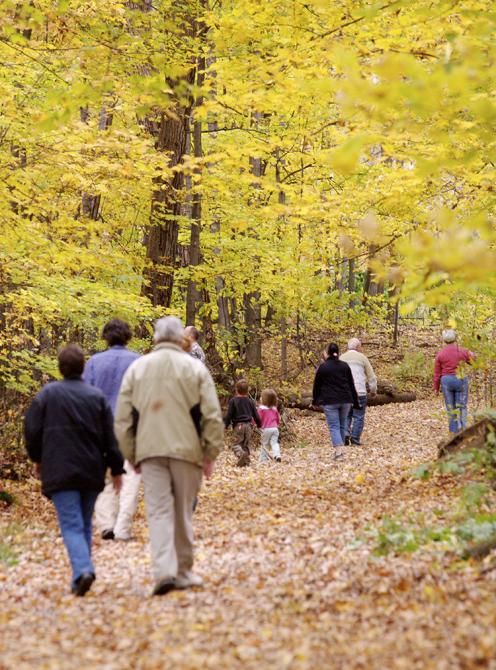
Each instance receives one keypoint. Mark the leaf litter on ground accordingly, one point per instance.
(287, 584)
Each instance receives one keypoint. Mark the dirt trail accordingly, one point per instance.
(287, 586)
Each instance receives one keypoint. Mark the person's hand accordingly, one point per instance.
(137, 469)
(37, 470)
(208, 468)
(117, 482)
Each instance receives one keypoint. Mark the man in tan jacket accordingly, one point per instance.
(169, 426)
(363, 374)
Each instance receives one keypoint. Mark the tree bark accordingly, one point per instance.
(90, 203)
(386, 393)
(252, 307)
(194, 296)
(161, 237)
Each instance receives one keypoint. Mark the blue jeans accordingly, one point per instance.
(74, 512)
(337, 421)
(356, 420)
(455, 392)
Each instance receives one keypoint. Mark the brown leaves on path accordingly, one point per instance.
(286, 585)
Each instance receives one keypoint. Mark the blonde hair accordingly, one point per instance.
(269, 398)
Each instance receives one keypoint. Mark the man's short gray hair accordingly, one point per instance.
(168, 329)
(354, 343)
(449, 335)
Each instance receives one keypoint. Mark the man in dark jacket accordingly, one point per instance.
(69, 436)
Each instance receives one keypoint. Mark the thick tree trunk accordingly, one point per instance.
(161, 236)
(194, 296)
(252, 308)
(253, 322)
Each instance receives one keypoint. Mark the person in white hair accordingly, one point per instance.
(169, 425)
(448, 379)
(363, 374)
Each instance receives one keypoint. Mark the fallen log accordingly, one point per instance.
(472, 437)
(386, 393)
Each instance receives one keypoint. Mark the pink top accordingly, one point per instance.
(269, 416)
(448, 360)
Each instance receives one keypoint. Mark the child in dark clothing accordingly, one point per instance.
(241, 413)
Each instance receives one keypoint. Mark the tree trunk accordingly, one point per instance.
(396, 321)
(284, 350)
(90, 204)
(251, 304)
(161, 236)
(386, 393)
(194, 296)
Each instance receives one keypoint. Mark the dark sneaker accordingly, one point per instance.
(83, 584)
(163, 586)
(277, 459)
(347, 440)
(356, 444)
(108, 535)
(243, 460)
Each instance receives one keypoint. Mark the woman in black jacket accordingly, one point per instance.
(334, 390)
(70, 437)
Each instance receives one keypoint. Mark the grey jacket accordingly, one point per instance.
(168, 406)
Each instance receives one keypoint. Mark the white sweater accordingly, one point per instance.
(361, 370)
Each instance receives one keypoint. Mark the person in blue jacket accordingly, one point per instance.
(114, 512)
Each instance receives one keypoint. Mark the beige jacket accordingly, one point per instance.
(361, 370)
(167, 391)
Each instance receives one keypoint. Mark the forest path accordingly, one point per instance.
(286, 583)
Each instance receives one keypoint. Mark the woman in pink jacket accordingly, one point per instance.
(453, 386)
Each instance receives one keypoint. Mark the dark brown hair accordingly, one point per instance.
(115, 332)
(71, 361)
(333, 351)
(193, 332)
(269, 398)
(242, 387)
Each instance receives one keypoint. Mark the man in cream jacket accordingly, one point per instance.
(363, 374)
(169, 425)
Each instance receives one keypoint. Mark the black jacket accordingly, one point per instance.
(333, 384)
(69, 430)
(241, 409)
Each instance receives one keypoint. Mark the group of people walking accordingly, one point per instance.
(341, 383)
(340, 388)
(157, 419)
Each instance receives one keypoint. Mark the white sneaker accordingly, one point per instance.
(188, 580)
